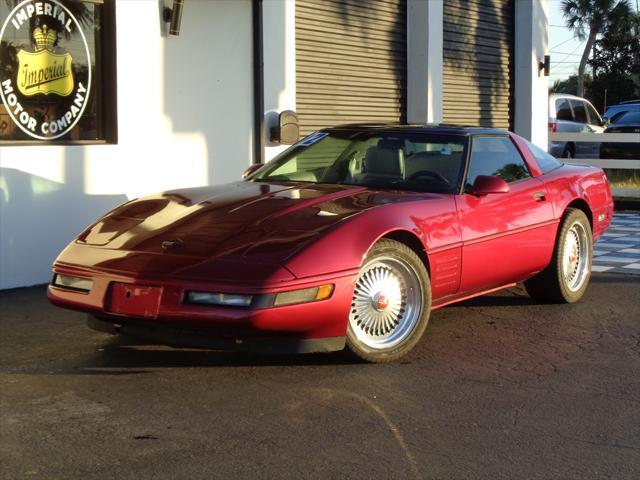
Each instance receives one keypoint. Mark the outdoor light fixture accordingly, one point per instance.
(546, 65)
(288, 130)
(173, 16)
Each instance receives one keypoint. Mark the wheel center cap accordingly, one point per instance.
(380, 301)
(573, 256)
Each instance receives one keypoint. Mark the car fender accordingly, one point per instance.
(343, 248)
(582, 186)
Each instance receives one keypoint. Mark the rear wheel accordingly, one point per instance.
(566, 278)
(391, 303)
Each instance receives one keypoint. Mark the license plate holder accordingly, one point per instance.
(135, 300)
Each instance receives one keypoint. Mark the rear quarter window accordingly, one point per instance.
(563, 110)
(627, 118)
(546, 162)
(613, 118)
(579, 111)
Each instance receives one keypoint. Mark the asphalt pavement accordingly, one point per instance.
(500, 387)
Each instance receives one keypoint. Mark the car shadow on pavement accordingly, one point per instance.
(123, 356)
(513, 297)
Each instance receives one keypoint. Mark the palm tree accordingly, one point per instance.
(588, 18)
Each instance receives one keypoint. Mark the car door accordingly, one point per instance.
(596, 125)
(506, 236)
(564, 124)
(585, 149)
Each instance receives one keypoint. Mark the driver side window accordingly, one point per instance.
(498, 157)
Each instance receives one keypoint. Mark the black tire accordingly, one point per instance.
(551, 284)
(569, 151)
(412, 302)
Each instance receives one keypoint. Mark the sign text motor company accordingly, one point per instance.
(44, 73)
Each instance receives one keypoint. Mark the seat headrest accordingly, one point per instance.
(384, 161)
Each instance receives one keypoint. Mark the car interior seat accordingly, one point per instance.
(384, 161)
(446, 165)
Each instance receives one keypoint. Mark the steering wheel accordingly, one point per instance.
(428, 173)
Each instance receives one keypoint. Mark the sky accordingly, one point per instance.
(565, 50)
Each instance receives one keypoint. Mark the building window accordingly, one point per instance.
(57, 72)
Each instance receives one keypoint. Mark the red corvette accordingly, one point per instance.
(350, 237)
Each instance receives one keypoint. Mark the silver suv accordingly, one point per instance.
(571, 114)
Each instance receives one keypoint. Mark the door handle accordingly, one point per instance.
(539, 196)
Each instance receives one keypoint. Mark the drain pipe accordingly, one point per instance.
(258, 84)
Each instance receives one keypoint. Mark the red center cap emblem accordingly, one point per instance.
(381, 301)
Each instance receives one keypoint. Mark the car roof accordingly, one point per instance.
(623, 105)
(614, 110)
(441, 128)
(565, 95)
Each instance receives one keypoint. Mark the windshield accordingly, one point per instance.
(423, 162)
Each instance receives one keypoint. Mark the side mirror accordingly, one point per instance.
(486, 184)
(247, 173)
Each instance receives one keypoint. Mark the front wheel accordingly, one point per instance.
(391, 303)
(566, 278)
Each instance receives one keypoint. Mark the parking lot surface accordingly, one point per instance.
(499, 387)
(618, 250)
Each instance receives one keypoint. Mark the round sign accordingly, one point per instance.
(45, 80)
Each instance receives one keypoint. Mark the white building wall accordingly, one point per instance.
(185, 119)
(424, 62)
(279, 37)
(531, 86)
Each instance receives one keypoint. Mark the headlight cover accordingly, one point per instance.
(224, 299)
(291, 297)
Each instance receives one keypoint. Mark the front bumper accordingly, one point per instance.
(183, 337)
(322, 319)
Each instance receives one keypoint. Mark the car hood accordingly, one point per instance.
(265, 222)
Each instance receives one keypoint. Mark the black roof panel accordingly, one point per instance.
(430, 127)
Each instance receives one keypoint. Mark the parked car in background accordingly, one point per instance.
(627, 122)
(348, 238)
(571, 114)
(615, 111)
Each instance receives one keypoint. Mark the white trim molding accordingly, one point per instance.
(531, 89)
(279, 37)
(424, 61)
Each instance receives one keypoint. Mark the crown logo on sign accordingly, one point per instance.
(45, 38)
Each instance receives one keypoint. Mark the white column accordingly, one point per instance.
(279, 30)
(531, 86)
(424, 61)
